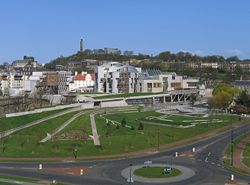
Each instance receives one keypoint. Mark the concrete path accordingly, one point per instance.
(167, 125)
(11, 131)
(61, 127)
(10, 181)
(185, 174)
(94, 130)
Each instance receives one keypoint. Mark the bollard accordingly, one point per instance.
(176, 154)
(81, 171)
(193, 150)
(232, 177)
(40, 166)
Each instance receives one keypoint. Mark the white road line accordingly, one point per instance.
(206, 160)
(209, 154)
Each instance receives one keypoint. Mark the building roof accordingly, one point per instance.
(242, 83)
(83, 76)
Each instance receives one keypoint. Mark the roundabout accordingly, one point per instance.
(141, 173)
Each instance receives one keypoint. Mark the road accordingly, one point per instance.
(207, 164)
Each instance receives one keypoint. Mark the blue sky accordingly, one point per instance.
(47, 29)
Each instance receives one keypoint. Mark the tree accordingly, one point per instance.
(223, 95)
(193, 98)
(140, 127)
(244, 99)
(238, 70)
(124, 122)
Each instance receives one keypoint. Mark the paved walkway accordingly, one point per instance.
(238, 155)
(94, 130)
(186, 173)
(10, 181)
(61, 127)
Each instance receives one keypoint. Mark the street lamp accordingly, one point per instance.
(158, 139)
(232, 144)
(130, 180)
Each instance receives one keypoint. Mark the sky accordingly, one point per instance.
(47, 29)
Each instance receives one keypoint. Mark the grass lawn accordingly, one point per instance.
(246, 152)
(13, 122)
(24, 179)
(155, 117)
(227, 160)
(124, 95)
(113, 139)
(25, 143)
(5, 183)
(183, 119)
(124, 140)
(156, 172)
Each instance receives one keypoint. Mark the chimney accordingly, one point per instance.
(75, 73)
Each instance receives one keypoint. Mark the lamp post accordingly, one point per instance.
(158, 139)
(130, 180)
(232, 144)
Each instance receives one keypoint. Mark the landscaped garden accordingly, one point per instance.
(118, 133)
(13, 122)
(156, 172)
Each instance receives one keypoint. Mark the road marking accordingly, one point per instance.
(206, 160)
(199, 160)
(209, 154)
(212, 163)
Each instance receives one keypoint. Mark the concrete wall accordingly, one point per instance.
(42, 110)
(120, 103)
(88, 105)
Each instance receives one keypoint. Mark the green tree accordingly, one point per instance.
(238, 70)
(193, 98)
(124, 122)
(140, 127)
(223, 95)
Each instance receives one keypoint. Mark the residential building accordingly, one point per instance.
(27, 65)
(5, 84)
(115, 51)
(17, 80)
(63, 81)
(82, 82)
(213, 65)
(243, 85)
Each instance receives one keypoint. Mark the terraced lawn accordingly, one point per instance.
(13, 122)
(114, 139)
(25, 143)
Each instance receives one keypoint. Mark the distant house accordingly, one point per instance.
(82, 82)
(243, 85)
